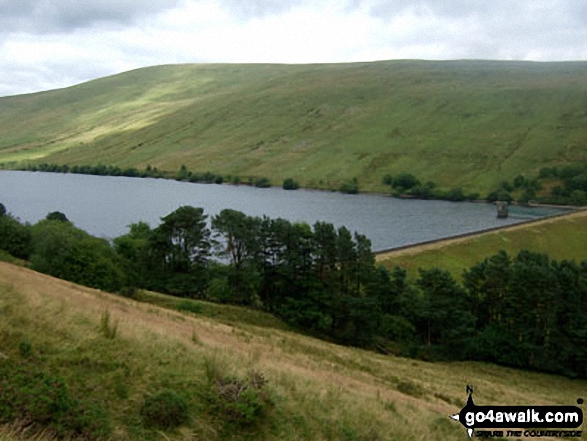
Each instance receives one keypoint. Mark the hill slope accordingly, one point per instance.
(319, 390)
(561, 238)
(460, 123)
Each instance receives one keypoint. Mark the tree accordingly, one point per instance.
(15, 238)
(180, 249)
(445, 318)
(487, 284)
(238, 238)
(133, 250)
(66, 252)
(57, 216)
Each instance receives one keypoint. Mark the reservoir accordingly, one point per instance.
(104, 206)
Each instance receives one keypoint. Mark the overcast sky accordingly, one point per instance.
(46, 44)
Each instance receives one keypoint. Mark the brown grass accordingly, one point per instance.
(334, 389)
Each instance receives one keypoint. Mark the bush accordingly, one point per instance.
(290, 184)
(38, 400)
(262, 183)
(351, 187)
(455, 195)
(242, 402)
(165, 409)
(405, 181)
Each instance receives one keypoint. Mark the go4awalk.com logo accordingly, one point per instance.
(540, 421)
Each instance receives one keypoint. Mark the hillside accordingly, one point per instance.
(469, 124)
(560, 237)
(318, 390)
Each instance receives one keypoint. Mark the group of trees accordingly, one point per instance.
(408, 184)
(526, 311)
(573, 180)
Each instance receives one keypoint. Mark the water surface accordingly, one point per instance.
(104, 206)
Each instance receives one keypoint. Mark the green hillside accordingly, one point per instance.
(67, 370)
(561, 238)
(471, 124)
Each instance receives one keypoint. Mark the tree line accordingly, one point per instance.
(526, 311)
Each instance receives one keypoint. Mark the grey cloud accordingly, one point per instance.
(62, 16)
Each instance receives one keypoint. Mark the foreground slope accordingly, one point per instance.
(563, 237)
(320, 391)
(469, 124)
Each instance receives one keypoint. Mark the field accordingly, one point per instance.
(319, 391)
(469, 124)
(560, 237)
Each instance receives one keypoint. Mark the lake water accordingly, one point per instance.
(104, 206)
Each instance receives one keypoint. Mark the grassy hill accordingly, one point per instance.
(317, 390)
(560, 237)
(458, 123)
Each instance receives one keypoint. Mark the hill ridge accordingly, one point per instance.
(460, 123)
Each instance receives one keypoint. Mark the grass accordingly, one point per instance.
(317, 390)
(561, 238)
(471, 124)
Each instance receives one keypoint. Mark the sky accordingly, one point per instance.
(48, 44)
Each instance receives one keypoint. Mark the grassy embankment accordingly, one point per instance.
(560, 237)
(469, 124)
(319, 390)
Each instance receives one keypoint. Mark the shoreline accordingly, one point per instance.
(383, 255)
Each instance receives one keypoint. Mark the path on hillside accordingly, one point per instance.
(441, 243)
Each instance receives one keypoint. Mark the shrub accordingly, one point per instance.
(262, 183)
(165, 409)
(350, 187)
(455, 195)
(38, 400)
(290, 184)
(405, 181)
(242, 402)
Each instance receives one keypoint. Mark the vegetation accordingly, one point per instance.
(350, 187)
(313, 389)
(459, 124)
(324, 281)
(561, 238)
(290, 184)
(165, 409)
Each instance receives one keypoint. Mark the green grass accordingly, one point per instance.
(461, 123)
(316, 390)
(310, 389)
(561, 238)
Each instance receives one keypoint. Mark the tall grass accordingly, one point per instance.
(313, 390)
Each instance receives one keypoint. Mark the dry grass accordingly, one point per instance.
(321, 391)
